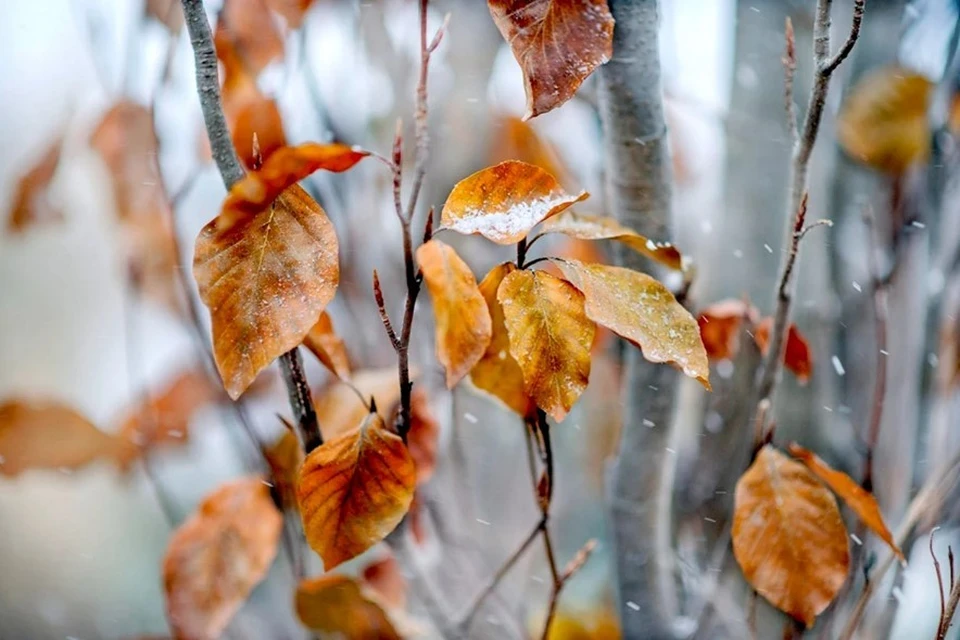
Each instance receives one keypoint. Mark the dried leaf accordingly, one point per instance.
(385, 579)
(463, 322)
(328, 347)
(720, 327)
(334, 604)
(284, 458)
(558, 43)
(497, 372)
(797, 357)
(216, 558)
(339, 410)
(422, 439)
(517, 140)
(550, 337)
(860, 501)
(49, 435)
(883, 121)
(293, 11)
(250, 28)
(504, 202)
(31, 204)
(354, 490)
(639, 308)
(788, 536)
(168, 12)
(604, 228)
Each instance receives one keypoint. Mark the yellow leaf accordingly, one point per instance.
(463, 322)
(788, 536)
(339, 410)
(334, 604)
(354, 490)
(328, 347)
(550, 337)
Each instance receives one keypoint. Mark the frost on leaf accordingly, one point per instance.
(558, 43)
(550, 337)
(335, 604)
(354, 490)
(216, 558)
(504, 202)
(462, 320)
(639, 308)
(788, 536)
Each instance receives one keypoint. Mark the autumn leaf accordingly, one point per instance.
(49, 435)
(216, 557)
(504, 202)
(797, 357)
(252, 32)
(168, 12)
(586, 227)
(860, 501)
(328, 347)
(293, 11)
(639, 308)
(268, 264)
(354, 490)
(517, 140)
(720, 327)
(284, 458)
(497, 372)
(883, 121)
(340, 410)
(462, 320)
(788, 536)
(334, 604)
(550, 337)
(385, 579)
(558, 43)
(31, 203)
(423, 436)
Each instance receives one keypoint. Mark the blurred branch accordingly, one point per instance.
(879, 286)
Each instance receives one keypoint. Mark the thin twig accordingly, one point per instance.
(789, 61)
(952, 603)
(384, 316)
(831, 66)
(880, 374)
(936, 568)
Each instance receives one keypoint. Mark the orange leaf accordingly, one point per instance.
(797, 356)
(463, 322)
(423, 435)
(168, 12)
(333, 604)
(385, 579)
(31, 204)
(788, 536)
(251, 30)
(284, 458)
(550, 337)
(497, 372)
(517, 140)
(354, 490)
(604, 228)
(504, 202)
(558, 43)
(720, 327)
(48, 435)
(860, 501)
(323, 342)
(639, 308)
(266, 266)
(339, 410)
(883, 121)
(293, 11)
(216, 558)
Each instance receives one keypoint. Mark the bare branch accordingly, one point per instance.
(789, 71)
(936, 568)
(384, 316)
(841, 55)
(879, 286)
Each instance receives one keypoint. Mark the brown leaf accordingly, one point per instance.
(328, 347)
(550, 337)
(639, 308)
(720, 327)
(250, 28)
(558, 43)
(284, 458)
(462, 319)
(268, 264)
(788, 536)
(422, 439)
(339, 410)
(797, 357)
(354, 490)
(497, 372)
(164, 419)
(385, 579)
(334, 604)
(293, 11)
(49, 435)
(216, 558)
(883, 121)
(517, 140)
(504, 202)
(31, 204)
(860, 501)
(168, 12)
(585, 227)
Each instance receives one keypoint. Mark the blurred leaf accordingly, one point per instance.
(334, 604)
(797, 357)
(168, 12)
(720, 327)
(284, 458)
(31, 204)
(860, 501)
(517, 140)
(422, 439)
(339, 410)
(558, 43)
(462, 320)
(883, 121)
(354, 490)
(251, 30)
(590, 626)
(328, 347)
(639, 308)
(604, 228)
(550, 337)
(497, 372)
(788, 536)
(384, 578)
(504, 202)
(293, 11)
(216, 557)
(49, 435)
